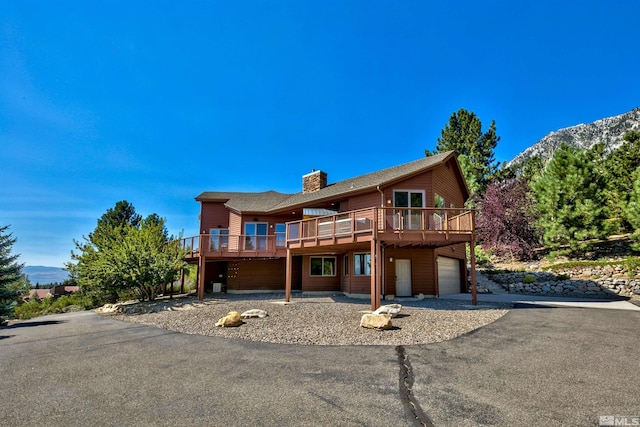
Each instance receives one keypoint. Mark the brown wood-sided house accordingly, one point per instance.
(397, 232)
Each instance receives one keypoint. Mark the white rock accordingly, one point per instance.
(390, 309)
(254, 313)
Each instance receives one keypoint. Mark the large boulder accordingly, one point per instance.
(376, 321)
(255, 312)
(391, 309)
(232, 319)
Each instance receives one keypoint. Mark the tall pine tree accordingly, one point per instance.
(10, 273)
(633, 210)
(617, 170)
(463, 134)
(569, 196)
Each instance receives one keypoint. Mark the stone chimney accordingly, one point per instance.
(313, 181)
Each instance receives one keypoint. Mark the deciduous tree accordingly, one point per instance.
(126, 252)
(506, 219)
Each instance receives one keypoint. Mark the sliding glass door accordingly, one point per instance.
(409, 219)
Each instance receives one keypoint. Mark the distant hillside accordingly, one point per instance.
(610, 131)
(45, 275)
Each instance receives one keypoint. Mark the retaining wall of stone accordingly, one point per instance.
(586, 282)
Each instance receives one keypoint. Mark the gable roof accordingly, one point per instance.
(272, 201)
(245, 202)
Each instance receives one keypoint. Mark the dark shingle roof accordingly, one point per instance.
(273, 201)
(246, 202)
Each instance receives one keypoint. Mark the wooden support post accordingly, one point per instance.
(201, 268)
(375, 284)
(472, 252)
(288, 267)
(182, 281)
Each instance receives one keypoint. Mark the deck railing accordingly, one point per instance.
(359, 225)
(436, 221)
(233, 245)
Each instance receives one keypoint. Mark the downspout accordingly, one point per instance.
(381, 195)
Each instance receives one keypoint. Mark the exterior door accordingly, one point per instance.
(403, 278)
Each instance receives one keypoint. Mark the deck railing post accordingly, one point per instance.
(287, 279)
(472, 252)
(201, 268)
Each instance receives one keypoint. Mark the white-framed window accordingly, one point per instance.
(219, 239)
(281, 235)
(322, 266)
(255, 236)
(409, 219)
(362, 264)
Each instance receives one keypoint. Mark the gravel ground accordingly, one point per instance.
(330, 320)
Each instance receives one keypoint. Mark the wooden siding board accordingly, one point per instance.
(258, 274)
(213, 215)
(446, 183)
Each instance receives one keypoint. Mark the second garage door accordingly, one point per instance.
(448, 275)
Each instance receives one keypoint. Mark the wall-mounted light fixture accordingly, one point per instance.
(390, 259)
(389, 202)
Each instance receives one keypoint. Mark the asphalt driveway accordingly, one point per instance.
(534, 366)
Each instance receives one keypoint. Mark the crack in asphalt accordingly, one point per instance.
(406, 395)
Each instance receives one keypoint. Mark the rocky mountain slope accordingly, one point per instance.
(610, 131)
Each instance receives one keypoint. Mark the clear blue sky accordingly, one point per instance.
(154, 102)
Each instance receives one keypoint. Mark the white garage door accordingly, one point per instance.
(448, 275)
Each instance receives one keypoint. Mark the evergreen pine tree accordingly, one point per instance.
(633, 210)
(569, 195)
(10, 273)
(463, 134)
(617, 170)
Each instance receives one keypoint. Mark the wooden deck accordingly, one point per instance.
(398, 227)
(393, 226)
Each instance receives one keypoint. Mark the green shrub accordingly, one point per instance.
(632, 264)
(560, 277)
(528, 279)
(35, 308)
(482, 256)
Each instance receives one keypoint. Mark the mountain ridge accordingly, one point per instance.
(609, 130)
(45, 275)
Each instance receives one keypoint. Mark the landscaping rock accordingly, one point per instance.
(111, 308)
(376, 321)
(390, 309)
(232, 319)
(254, 313)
